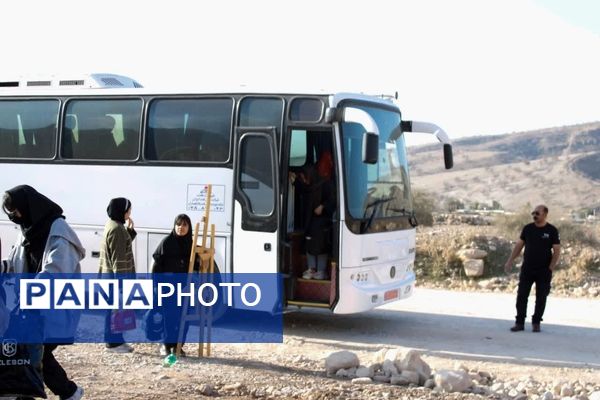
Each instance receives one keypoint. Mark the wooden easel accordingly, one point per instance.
(207, 266)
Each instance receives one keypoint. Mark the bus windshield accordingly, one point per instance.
(378, 196)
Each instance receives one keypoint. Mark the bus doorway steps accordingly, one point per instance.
(312, 290)
(301, 304)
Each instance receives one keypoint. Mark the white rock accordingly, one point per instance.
(379, 357)
(346, 373)
(513, 393)
(473, 267)
(472, 254)
(365, 372)
(485, 284)
(460, 366)
(521, 387)
(547, 396)
(362, 381)
(389, 368)
(411, 376)
(594, 396)
(452, 381)
(498, 387)
(566, 391)
(341, 360)
(556, 386)
(395, 356)
(412, 362)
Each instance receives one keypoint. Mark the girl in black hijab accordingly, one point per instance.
(44, 229)
(173, 252)
(35, 214)
(172, 255)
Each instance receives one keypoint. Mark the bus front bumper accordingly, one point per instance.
(358, 296)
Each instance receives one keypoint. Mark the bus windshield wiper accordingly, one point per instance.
(375, 204)
(402, 211)
(378, 201)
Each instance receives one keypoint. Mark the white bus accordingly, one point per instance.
(84, 140)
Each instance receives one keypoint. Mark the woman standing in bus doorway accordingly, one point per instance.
(46, 245)
(319, 208)
(172, 255)
(116, 257)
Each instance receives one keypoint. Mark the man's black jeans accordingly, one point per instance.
(542, 278)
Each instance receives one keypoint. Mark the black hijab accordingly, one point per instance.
(173, 253)
(184, 243)
(37, 215)
(117, 208)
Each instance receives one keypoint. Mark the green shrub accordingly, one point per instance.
(424, 205)
(573, 233)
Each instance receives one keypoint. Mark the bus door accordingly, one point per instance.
(255, 201)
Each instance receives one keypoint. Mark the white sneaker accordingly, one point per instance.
(320, 275)
(163, 350)
(77, 395)
(308, 274)
(124, 348)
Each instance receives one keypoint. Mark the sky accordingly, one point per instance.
(473, 67)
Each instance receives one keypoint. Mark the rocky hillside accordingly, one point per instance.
(557, 166)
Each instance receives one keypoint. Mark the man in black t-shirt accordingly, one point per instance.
(542, 251)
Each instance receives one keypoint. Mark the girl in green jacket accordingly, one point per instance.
(116, 257)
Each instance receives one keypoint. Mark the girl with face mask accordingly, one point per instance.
(46, 245)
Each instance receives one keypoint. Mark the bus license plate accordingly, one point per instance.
(390, 294)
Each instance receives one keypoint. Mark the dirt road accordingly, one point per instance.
(468, 326)
(449, 327)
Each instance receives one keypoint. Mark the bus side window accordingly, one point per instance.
(70, 136)
(9, 137)
(28, 128)
(261, 111)
(298, 148)
(96, 141)
(105, 129)
(192, 130)
(256, 174)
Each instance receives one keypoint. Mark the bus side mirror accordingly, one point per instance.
(448, 157)
(370, 148)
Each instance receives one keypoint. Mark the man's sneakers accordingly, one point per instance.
(312, 274)
(521, 327)
(309, 274)
(123, 348)
(77, 395)
(320, 275)
(517, 328)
